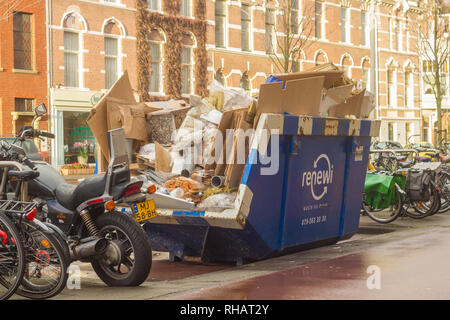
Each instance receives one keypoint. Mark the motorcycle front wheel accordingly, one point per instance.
(128, 257)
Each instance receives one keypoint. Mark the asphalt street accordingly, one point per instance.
(407, 259)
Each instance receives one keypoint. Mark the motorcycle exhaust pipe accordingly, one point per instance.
(89, 249)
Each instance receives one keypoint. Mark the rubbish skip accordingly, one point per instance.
(236, 178)
(309, 195)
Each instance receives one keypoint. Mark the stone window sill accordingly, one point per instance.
(24, 71)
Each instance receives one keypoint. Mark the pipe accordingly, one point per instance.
(89, 249)
(217, 181)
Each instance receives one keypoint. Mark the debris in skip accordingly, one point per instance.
(195, 151)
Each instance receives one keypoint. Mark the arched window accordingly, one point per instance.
(346, 64)
(321, 58)
(245, 82)
(156, 41)
(187, 63)
(112, 33)
(408, 84)
(72, 25)
(219, 77)
(365, 76)
(391, 80)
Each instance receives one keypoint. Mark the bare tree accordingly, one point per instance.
(291, 34)
(433, 47)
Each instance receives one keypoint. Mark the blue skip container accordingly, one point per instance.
(312, 199)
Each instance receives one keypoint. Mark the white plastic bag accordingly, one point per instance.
(220, 200)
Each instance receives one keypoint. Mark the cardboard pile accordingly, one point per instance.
(197, 151)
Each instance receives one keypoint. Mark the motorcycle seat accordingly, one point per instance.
(71, 196)
(23, 175)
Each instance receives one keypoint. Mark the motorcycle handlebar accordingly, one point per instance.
(45, 134)
(29, 163)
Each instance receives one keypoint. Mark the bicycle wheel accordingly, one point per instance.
(47, 263)
(422, 209)
(386, 215)
(444, 185)
(12, 258)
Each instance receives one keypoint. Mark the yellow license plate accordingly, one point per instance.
(144, 211)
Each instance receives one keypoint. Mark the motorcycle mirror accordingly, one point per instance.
(40, 110)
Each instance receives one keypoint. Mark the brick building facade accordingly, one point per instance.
(23, 63)
(91, 44)
(375, 42)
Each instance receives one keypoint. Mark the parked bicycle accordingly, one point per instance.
(46, 255)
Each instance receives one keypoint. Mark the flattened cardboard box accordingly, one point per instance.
(300, 97)
(98, 121)
(331, 76)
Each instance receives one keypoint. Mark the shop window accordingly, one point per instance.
(23, 44)
(71, 51)
(76, 137)
(23, 105)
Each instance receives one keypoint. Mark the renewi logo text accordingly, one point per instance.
(316, 177)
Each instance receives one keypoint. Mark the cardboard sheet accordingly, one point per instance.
(334, 96)
(163, 159)
(226, 122)
(300, 97)
(97, 120)
(351, 107)
(331, 76)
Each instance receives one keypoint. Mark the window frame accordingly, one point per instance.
(31, 35)
(160, 65)
(116, 57)
(77, 53)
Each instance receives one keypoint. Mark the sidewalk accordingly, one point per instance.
(405, 251)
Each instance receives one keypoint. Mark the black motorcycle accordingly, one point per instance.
(96, 231)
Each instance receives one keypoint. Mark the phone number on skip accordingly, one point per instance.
(313, 220)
